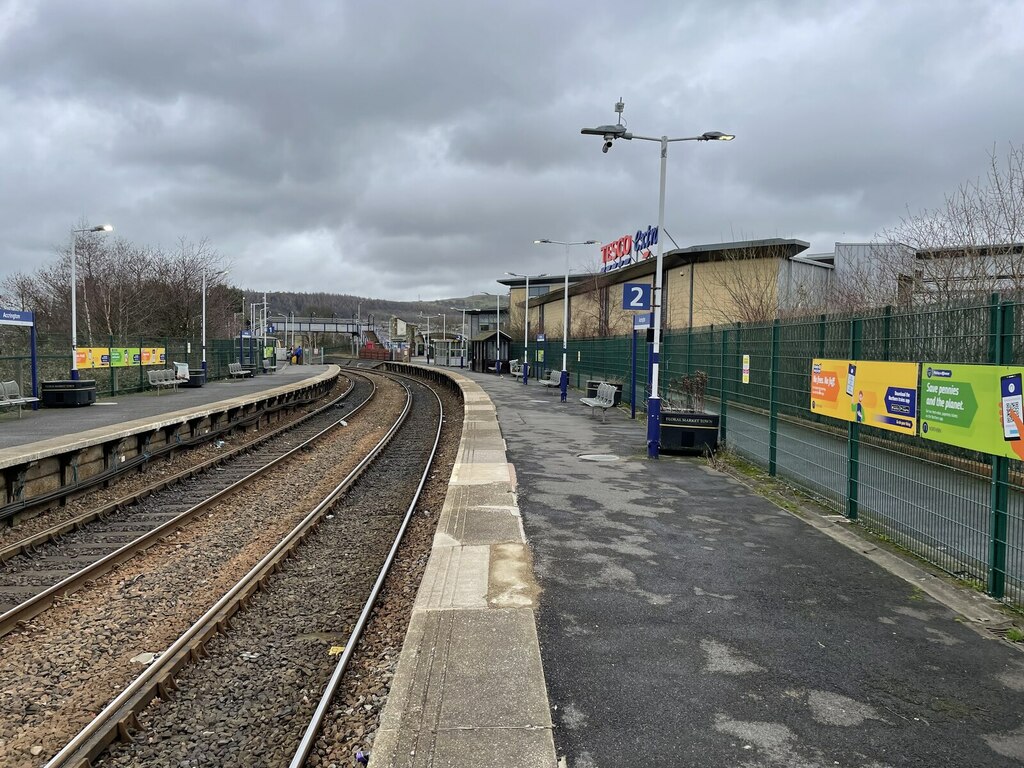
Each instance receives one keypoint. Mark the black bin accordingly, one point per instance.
(196, 378)
(68, 393)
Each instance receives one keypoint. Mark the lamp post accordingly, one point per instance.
(610, 133)
(526, 325)
(564, 380)
(74, 293)
(216, 274)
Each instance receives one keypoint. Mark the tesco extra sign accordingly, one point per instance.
(628, 249)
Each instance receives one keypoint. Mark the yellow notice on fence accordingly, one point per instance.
(746, 369)
(882, 395)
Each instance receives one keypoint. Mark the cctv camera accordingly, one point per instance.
(607, 146)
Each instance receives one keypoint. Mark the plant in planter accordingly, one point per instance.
(688, 427)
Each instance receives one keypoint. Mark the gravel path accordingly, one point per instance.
(353, 720)
(64, 666)
(249, 702)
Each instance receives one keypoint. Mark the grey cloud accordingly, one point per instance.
(409, 149)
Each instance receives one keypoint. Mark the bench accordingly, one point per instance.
(554, 379)
(162, 379)
(237, 371)
(10, 396)
(604, 399)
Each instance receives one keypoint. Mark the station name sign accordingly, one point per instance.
(628, 249)
(15, 317)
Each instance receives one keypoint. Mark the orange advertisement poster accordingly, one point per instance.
(92, 357)
(877, 394)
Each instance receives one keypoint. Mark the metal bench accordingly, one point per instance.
(162, 379)
(11, 397)
(604, 399)
(237, 371)
(554, 379)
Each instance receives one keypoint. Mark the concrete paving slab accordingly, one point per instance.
(470, 695)
(481, 474)
(456, 578)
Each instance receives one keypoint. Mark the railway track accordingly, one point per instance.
(250, 687)
(57, 561)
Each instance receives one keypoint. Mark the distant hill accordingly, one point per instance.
(346, 306)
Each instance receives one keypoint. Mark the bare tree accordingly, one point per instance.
(970, 245)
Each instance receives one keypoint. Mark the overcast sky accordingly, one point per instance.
(416, 149)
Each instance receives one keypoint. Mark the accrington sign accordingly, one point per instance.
(628, 249)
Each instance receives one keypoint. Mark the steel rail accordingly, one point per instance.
(29, 543)
(117, 719)
(313, 729)
(40, 602)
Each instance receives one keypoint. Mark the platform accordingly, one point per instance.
(108, 411)
(50, 452)
(681, 619)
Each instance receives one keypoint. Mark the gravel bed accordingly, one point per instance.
(250, 701)
(65, 665)
(352, 721)
(150, 472)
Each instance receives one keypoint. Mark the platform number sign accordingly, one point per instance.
(636, 296)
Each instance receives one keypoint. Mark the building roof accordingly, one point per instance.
(552, 280)
(782, 248)
(488, 335)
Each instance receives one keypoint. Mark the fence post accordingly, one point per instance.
(1000, 351)
(113, 373)
(822, 320)
(773, 408)
(853, 434)
(723, 405)
(887, 333)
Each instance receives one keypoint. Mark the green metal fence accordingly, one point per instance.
(54, 360)
(959, 509)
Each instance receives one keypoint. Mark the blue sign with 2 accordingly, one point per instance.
(636, 296)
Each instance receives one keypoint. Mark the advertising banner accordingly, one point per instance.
(973, 406)
(152, 356)
(877, 394)
(124, 356)
(92, 357)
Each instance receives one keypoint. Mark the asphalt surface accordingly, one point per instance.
(685, 621)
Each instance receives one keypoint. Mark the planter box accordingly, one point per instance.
(69, 393)
(593, 384)
(686, 431)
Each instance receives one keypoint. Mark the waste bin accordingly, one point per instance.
(68, 393)
(196, 378)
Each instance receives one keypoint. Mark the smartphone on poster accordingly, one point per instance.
(1011, 402)
(851, 375)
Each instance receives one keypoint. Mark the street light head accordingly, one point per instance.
(717, 136)
(538, 242)
(103, 228)
(608, 131)
(591, 242)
